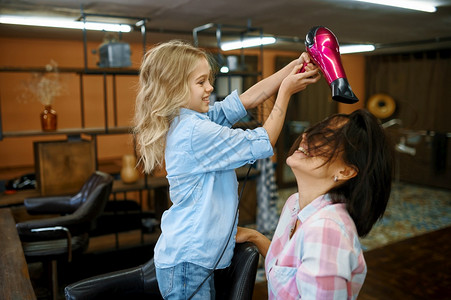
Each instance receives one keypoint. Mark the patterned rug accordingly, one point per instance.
(412, 210)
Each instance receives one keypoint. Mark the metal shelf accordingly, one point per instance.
(78, 71)
(69, 132)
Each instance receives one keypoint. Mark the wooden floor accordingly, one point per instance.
(417, 268)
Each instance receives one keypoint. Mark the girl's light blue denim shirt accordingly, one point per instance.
(201, 155)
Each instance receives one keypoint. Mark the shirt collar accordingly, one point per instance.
(293, 204)
(187, 111)
(313, 207)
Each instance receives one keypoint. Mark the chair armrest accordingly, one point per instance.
(49, 205)
(59, 229)
(135, 283)
(113, 285)
(71, 222)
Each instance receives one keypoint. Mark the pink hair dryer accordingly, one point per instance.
(322, 46)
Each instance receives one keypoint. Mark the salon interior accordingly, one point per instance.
(80, 219)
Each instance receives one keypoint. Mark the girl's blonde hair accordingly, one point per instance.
(163, 90)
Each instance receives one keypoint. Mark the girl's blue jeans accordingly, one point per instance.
(181, 281)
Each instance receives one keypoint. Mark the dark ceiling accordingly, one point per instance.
(391, 29)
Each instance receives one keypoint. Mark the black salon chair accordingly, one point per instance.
(66, 204)
(236, 282)
(59, 238)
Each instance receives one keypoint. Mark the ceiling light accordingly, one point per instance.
(415, 5)
(247, 43)
(346, 49)
(63, 23)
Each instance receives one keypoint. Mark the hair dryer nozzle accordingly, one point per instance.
(322, 46)
(342, 92)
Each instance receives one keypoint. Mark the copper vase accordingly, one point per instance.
(48, 119)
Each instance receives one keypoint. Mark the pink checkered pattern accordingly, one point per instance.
(322, 260)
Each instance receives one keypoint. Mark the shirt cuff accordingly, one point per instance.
(233, 108)
(260, 146)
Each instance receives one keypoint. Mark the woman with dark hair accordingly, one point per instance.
(343, 169)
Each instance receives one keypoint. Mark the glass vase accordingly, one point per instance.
(48, 119)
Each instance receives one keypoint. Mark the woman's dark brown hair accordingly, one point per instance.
(363, 144)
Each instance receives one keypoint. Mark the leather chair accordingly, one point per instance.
(66, 204)
(236, 282)
(59, 238)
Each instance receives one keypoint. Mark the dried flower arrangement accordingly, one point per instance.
(44, 86)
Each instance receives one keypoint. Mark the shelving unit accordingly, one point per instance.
(80, 72)
(139, 23)
(155, 188)
(248, 74)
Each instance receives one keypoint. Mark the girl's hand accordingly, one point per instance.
(295, 81)
(306, 62)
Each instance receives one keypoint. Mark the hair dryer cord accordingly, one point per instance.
(230, 234)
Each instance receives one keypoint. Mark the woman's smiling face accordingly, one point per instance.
(304, 162)
(316, 156)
